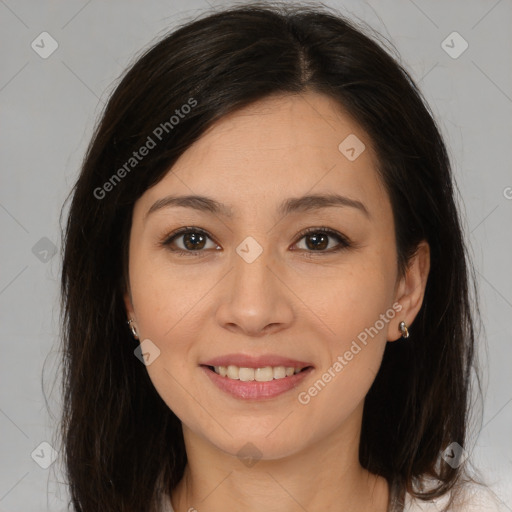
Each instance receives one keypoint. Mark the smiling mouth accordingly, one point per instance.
(263, 374)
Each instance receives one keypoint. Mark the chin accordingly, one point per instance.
(259, 444)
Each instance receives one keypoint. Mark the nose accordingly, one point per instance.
(256, 302)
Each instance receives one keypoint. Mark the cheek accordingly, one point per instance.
(358, 316)
(353, 297)
(358, 309)
(172, 328)
(167, 307)
(162, 297)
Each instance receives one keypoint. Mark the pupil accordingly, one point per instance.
(316, 237)
(194, 238)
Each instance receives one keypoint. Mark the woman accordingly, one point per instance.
(265, 284)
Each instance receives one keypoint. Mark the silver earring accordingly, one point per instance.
(134, 332)
(404, 330)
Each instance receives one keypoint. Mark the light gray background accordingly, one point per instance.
(48, 109)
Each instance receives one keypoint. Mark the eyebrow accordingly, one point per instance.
(292, 205)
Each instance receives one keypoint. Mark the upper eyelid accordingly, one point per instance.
(183, 231)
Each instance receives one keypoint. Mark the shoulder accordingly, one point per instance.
(469, 498)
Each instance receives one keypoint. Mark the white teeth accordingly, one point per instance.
(246, 374)
(232, 372)
(265, 374)
(280, 372)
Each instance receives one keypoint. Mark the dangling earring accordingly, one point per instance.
(134, 332)
(404, 330)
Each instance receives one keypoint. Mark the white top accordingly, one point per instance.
(477, 499)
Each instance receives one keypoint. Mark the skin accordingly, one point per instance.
(196, 307)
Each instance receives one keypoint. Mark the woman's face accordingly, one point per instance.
(252, 290)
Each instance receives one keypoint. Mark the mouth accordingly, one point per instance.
(258, 382)
(250, 377)
(261, 374)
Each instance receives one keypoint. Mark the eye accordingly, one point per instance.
(189, 240)
(317, 240)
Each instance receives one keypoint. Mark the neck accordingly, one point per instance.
(324, 476)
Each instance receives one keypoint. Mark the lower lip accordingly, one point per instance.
(254, 390)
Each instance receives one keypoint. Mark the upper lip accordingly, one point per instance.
(245, 361)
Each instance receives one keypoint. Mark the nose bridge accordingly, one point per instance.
(256, 301)
(252, 276)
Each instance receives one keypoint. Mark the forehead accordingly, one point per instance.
(283, 146)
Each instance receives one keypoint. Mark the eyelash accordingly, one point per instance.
(344, 242)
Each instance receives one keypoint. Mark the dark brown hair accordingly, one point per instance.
(122, 444)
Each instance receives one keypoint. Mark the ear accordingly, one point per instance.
(131, 314)
(129, 305)
(410, 290)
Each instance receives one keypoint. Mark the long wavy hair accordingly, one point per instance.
(123, 447)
